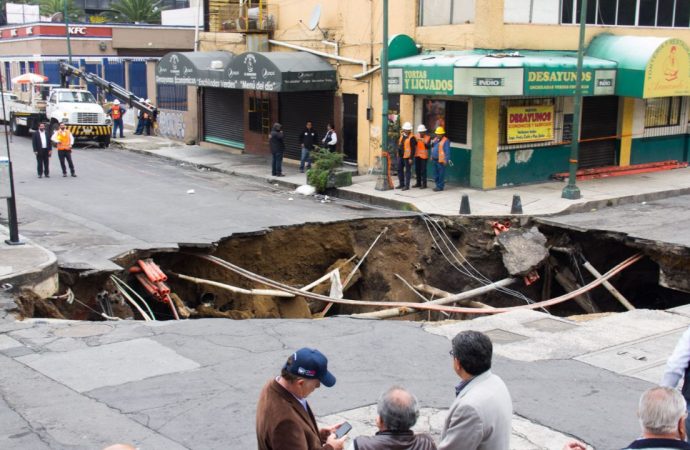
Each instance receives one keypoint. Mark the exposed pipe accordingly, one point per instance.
(368, 72)
(615, 292)
(422, 306)
(334, 45)
(319, 53)
(395, 312)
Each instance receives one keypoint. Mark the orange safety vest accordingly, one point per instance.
(407, 148)
(64, 140)
(423, 146)
(441, 152)
(115, 111)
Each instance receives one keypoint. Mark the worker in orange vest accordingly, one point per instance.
(421, 156)
(406, 149)
(64, 140)
(116, 112)
(440, 154)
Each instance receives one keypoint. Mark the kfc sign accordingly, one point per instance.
(77, 31)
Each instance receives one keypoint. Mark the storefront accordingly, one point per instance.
(243, 95)
(509, 114)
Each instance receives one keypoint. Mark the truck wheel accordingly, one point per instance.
(104, 141)
(17, 130)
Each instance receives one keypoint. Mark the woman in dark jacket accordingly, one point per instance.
(277, 149)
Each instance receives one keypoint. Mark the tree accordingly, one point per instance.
(50, 7)
(140, 11)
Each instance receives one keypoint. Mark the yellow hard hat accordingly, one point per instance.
(440, 130)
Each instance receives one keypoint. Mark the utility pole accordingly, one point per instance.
(571, 191)
(11, 203)
(69, 44)
(384, 181)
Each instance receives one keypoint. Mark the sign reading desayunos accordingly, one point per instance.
(668, 71)
(529, 124)
(563, 81)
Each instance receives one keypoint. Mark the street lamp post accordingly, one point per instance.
(11, 203)
(69, 44)
(571, 191)
(383, 182)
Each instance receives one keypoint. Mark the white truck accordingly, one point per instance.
(75, 107)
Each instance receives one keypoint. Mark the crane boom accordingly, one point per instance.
(116, 90)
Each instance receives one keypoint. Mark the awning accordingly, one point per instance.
(281, 72)
(647, 66)
(194, 68)
(500, 73)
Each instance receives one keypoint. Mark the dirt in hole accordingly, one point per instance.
(411, 248)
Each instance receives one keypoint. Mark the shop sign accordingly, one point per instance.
(668, 71)
(558, 81)
(176, 69)
(529, 124)
(421, 80)
(488, 81)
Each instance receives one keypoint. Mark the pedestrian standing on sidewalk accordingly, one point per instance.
(440, 152)
(307, 139)
(116, 112)
(43, 149)
(421, 156)
(407, 145)
(330, 139)
(64, 140)
(678, 367)
(277, 143)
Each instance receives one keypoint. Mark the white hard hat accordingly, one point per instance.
(116, 102)
(148, 100)
(421, 128)
(407, 126)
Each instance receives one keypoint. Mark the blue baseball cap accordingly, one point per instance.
(312, 364)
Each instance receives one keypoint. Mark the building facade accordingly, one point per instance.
(499, 75)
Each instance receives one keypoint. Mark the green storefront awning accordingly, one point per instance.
(647, 66)
(500, 73)
(193, 68)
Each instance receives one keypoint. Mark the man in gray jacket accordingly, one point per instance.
(480, 416)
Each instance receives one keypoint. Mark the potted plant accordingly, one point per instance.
(324, 173)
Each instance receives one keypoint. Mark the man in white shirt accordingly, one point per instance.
(678, 367)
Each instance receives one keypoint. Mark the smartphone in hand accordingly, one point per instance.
(343, 430)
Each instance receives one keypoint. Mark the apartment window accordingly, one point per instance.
(644, 13)
(445, 12)
(662, 112)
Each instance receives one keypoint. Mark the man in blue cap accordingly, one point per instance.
(284, 420)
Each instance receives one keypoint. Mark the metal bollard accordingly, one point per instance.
(516, 208)
(465, 204)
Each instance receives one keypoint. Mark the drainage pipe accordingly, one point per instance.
(368, 72)
(615, 292)
(320, 53)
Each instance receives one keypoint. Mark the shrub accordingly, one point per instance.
(324, 162)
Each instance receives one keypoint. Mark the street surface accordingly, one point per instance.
(122, 200)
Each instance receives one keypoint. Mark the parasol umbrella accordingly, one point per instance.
(29, 78)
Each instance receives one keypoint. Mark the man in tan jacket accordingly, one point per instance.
(284, 420)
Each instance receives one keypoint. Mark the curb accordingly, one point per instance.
(619, 201)
(34, 275)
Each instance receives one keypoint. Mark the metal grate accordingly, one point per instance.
(87, 118)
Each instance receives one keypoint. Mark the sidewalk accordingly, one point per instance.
(537, 199)
(27, 266)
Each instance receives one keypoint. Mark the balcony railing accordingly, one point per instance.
(241, 17)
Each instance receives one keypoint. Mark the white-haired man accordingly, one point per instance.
(662, 414)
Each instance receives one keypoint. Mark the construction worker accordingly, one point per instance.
(64, 140)
(406, 148)
(116, 112)
(440, 154)
(421, 156)
(144, 121)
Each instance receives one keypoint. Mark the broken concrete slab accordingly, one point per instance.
(523, 250)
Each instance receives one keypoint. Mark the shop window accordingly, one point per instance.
(663, 112)
(451, 115)
(259, 115)
(171, 96)
(644, 13)
(552, 128)
(445, 12)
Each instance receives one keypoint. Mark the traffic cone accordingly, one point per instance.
(516, 208)
(465, 204)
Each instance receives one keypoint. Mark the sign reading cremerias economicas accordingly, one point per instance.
(529, 124)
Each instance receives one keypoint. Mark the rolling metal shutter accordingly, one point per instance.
(224, 116)
(599, 121)
(298, 107)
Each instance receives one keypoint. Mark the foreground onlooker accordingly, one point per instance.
(662, 413)
(397, 414)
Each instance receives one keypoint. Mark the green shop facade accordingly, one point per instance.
(509, 114)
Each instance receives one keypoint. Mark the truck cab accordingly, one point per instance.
(78, 109)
